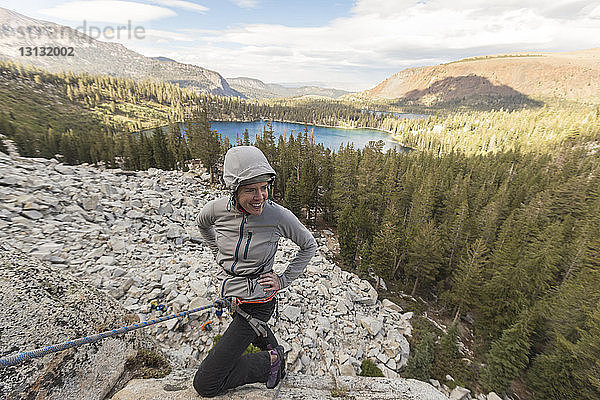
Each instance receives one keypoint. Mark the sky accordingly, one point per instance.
(345, 44)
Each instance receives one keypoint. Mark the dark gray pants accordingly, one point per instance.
(225, 367)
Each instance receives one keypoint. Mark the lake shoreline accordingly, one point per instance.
(306, 123)
(390, 133)
(388, 136)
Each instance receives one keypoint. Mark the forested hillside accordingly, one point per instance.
(494, 220)
(510, 238)
(88, 116)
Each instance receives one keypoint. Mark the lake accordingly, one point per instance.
(330, 137)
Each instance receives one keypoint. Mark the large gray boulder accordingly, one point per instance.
(44, 305)
(178, 386)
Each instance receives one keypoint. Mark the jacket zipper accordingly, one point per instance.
(247, 245)
(237, 248)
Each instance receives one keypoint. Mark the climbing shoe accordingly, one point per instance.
(277, 372)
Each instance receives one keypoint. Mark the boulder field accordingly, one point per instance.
(124, 242)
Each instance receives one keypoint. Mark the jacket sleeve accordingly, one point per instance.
(206, 220)
(293, 229)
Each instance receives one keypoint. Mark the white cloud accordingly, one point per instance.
(384, 36)
(186, 5)
(377, 38)
(162, 36)
(595, 12)
(198, 31)
(246, 3)
(568, 8)
(111, 11)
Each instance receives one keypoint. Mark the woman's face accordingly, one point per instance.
(252, 197)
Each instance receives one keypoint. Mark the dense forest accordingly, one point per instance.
(509, 239)
(494, 218)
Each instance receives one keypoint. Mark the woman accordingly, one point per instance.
(243, 231)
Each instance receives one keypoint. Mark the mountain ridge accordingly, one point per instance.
(568, 75)
(255, 88)
(98, 57)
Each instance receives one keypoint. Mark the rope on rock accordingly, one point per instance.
(18, 358)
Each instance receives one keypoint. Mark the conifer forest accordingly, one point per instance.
(492, 219)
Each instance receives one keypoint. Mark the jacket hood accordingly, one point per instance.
(243, 163)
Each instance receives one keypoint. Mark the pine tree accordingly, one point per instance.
(196, 128)
(131, 152)
(467, 278)
(509, 355)
(587, 355)
(285, 162)
(266, 143)
(204, 143)
(447, 357)
(50, 144)
(308, 188)
(424, 256)
(503, 294)
(324, 194)
(388, 249)
(345, 178)
(146, 152)
(246, 138)
(492, 215)
(177, 147)
(570, 370)
(6, 128)
(422, 206)
(551, 376)
(542, 259)
(291, 199)
(160, 150)
(449, 343)
(369, 193)
(455, 224)
(420, 362)
(68, 148)
(577, 297)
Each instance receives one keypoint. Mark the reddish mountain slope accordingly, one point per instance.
(572, 76)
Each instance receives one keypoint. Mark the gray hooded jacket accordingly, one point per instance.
(245, 245)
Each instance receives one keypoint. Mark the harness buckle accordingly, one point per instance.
(258, 326)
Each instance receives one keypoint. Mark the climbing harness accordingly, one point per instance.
(207, 326)
(18, 358)
(258, 326)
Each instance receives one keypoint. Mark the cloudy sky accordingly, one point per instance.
(347, 44)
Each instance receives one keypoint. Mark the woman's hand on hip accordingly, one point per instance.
(269, 282)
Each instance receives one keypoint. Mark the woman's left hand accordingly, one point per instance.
(269, 281)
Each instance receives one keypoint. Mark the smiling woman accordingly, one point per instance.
(252, 197)
(243, 232)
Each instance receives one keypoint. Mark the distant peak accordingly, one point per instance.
(239, 78)
(6, 11)
(163, 59)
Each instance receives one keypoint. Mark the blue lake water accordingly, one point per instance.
(330, 137)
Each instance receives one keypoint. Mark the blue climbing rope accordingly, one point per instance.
(18, 358)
